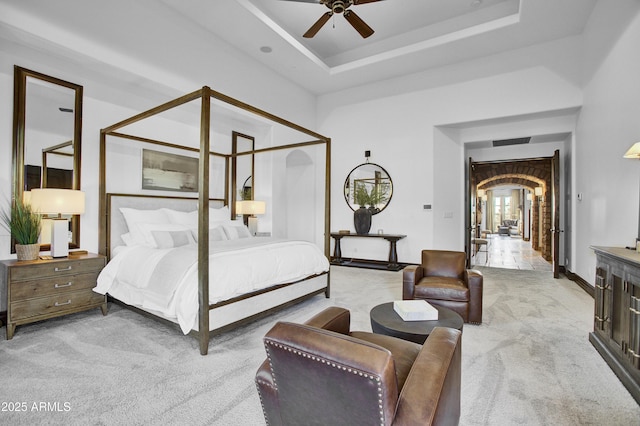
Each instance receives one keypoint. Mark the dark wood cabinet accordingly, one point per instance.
(616, 328)
(43, 289)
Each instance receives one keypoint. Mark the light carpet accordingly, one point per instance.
(529, 363)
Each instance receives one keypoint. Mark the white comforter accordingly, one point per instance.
(166, 280)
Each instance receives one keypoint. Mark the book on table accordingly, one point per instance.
(415, 310)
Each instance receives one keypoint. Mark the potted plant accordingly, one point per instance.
(24, 225)
(378, 196)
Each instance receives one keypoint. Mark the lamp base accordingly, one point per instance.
(59, 237)
(253, 225)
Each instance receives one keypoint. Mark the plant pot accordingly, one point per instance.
(28, 251)
(362, 220)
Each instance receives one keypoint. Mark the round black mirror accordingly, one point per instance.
(368, 185)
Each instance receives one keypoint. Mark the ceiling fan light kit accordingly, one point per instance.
(337, 7)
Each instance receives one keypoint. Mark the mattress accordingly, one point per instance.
(166, 280)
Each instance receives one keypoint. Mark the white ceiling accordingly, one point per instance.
(410, 35)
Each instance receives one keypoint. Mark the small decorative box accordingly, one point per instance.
(415, 310)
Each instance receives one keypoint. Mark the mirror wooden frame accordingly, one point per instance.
(235, 153)
(20, 76)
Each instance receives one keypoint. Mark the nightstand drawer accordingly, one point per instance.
(46, 306)
(56, 268)
(53, 285)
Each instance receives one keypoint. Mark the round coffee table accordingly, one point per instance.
(385, 320)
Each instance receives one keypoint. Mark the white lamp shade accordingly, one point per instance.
(57, 201)
(633, 152)
(538, 191)
(250, 207)
(480, 193)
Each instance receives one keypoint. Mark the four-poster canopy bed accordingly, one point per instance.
(207, 251)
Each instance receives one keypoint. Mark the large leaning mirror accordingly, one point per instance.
(242, 169)
(368, 185)
(47, 131)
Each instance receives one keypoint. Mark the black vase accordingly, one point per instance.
(362, 220)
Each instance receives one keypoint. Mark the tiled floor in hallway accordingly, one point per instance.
(511, 253)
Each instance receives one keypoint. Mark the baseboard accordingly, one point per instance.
(582, 283)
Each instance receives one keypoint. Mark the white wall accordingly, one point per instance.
(405, 136)
(608, 125)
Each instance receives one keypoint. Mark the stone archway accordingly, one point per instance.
(529, 174)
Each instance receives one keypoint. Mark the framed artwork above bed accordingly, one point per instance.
(169, 172)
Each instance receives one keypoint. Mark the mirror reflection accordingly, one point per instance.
(368, 185)
(242, 168)
(47, 132)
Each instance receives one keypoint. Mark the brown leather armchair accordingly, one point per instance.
(320, 373)
(442, 279)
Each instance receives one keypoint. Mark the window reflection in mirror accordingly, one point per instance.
(368, 185)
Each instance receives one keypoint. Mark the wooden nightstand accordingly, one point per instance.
(43, 289)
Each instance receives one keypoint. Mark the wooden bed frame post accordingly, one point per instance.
(103, 242)
(327, 210)
(203, 222)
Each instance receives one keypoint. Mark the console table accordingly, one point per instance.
(616, 328)
(391, 265)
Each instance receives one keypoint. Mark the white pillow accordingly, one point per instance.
(221, 214)
(235, 232)
(146, 231)
(188, 219)
(135, 217)
(128, 239)
(171, 239)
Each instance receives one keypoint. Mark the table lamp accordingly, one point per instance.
(251, 208)
(58, 201)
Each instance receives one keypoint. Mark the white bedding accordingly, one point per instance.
(166, 280)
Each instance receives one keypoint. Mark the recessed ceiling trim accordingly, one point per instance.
(428, 44)
(282, 33)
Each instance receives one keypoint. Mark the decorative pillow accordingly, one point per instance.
(215, 234)
(146, 231)
(135, 217)
(170, 239)
(235, 232)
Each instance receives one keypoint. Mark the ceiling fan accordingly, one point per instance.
(339, 6)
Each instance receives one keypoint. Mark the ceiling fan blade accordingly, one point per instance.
(316, 27)
(309, 1)
(355, 2)
(357, 23)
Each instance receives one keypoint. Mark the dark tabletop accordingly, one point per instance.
(385, 320)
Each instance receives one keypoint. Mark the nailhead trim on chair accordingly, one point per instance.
(331, 364)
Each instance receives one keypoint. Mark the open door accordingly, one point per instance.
(470, 214)
(555, 212)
